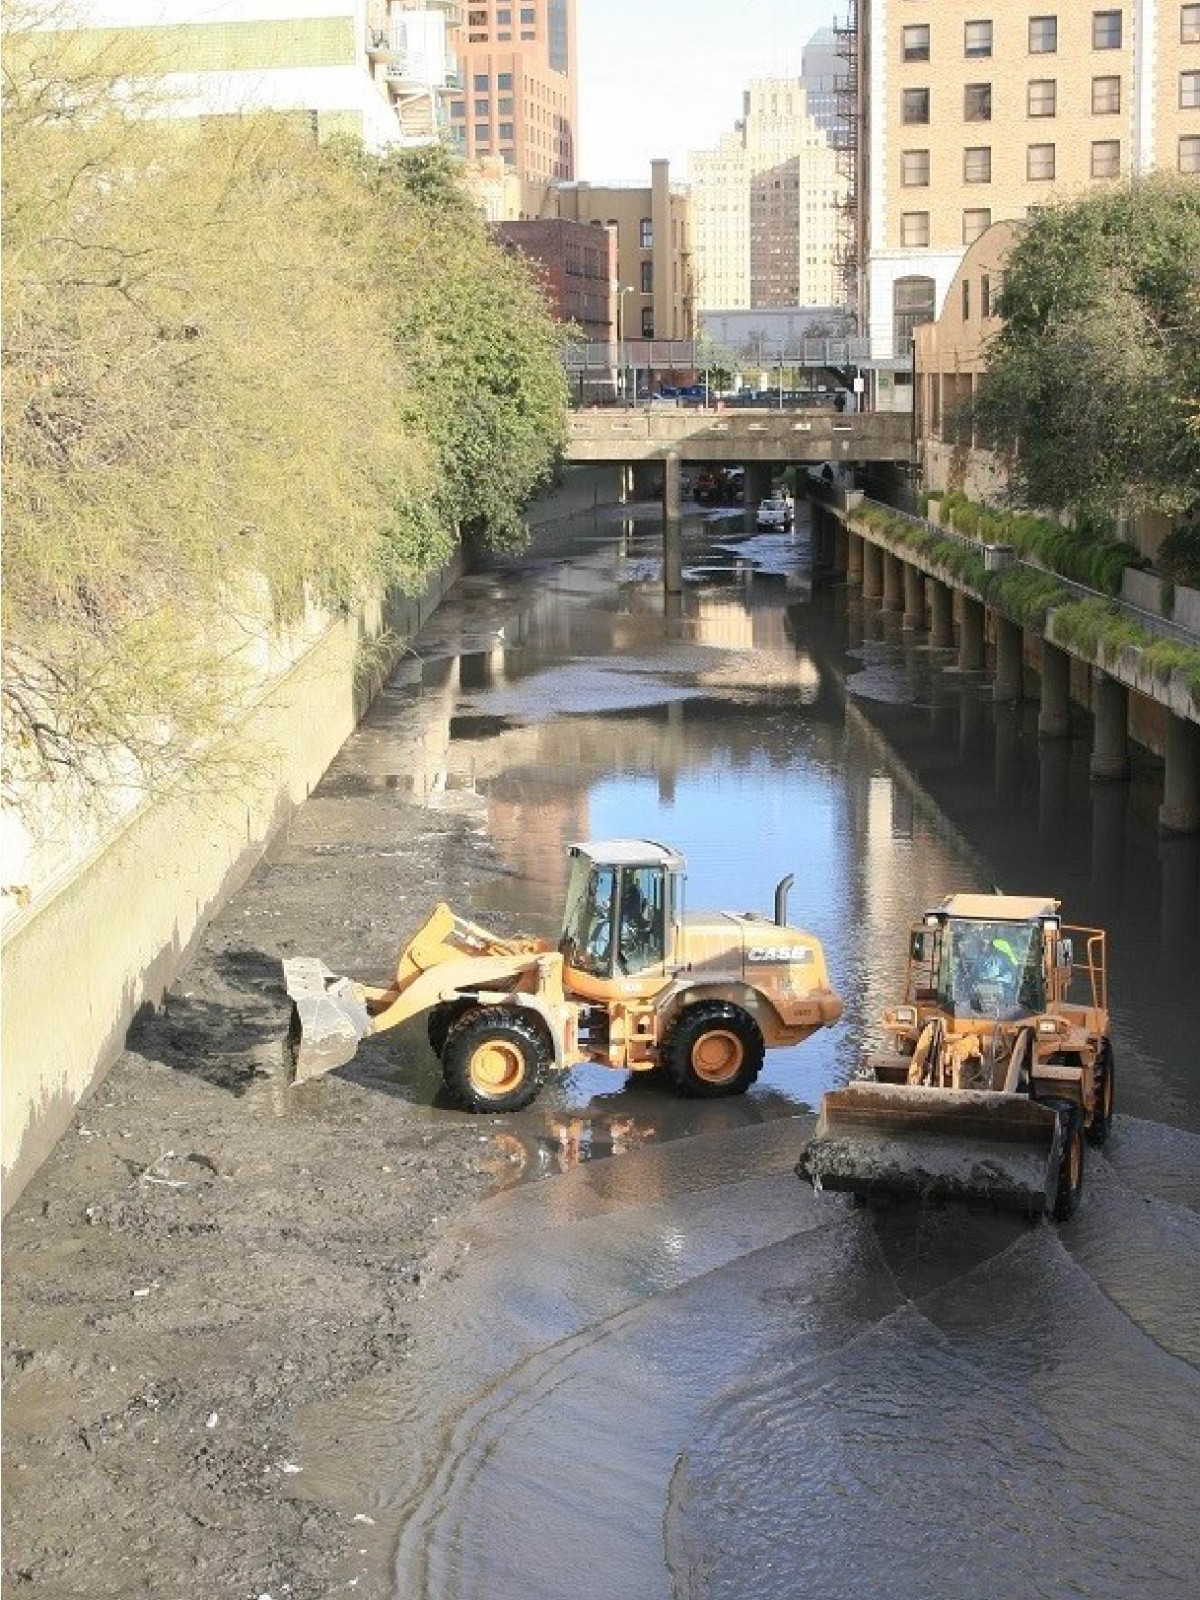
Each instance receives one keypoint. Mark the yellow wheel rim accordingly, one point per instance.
(497, 1066)
(717, 1056)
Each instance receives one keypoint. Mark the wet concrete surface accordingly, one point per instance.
(612, 1346)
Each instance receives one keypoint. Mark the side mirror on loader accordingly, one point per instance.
(1066, 954)
(920, 949)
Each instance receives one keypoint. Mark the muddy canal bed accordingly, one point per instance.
(348, 1339)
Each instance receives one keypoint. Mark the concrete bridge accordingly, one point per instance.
(742, 437)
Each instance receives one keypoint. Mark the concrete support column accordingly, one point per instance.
(941, 615)
(841, 549)
(914, 597)
(893, 582)
(756, 488)
(971, 656)
(855, 545)
(872, 571)
(672, 525)
(1054, 715)
(1180, 809)
(1009, 686)
(1110, 741)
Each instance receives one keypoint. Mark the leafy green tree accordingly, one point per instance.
(242, 375)
(1092, 389)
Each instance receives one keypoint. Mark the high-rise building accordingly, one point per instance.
(970, 113)
(518, 100)
(378, 70)
(820, 66)
(764, 207)
(650, 225)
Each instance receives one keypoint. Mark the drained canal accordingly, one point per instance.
(655, 1364)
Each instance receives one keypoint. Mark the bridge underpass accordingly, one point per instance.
(756, 440)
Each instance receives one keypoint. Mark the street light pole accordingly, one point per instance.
(622, 291)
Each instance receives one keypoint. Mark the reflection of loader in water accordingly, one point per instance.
(633, 984)
(997, 1074)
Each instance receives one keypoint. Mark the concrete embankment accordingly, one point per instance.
(109, 936)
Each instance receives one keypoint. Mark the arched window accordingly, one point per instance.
(914, 301)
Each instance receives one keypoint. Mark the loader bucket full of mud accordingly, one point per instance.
(880, 1139)
(329, 1018)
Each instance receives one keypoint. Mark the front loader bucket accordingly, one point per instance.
(328, 1019)
(955, 1144)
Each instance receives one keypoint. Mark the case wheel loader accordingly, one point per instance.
(1000, 1070)
(635, 982)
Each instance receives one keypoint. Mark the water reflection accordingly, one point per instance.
(766, 729)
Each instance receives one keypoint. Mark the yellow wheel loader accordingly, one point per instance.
(1000, 1067)
(634, 983)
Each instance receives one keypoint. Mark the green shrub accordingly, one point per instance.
(1179, 556)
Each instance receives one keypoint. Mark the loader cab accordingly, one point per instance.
(984, 957)
(624, 901)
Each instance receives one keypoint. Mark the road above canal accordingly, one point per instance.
(611, 1347)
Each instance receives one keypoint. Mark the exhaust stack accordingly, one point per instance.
(781, 899)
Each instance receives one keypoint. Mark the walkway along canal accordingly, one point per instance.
(612, 1346)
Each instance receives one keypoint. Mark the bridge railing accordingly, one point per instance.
(691, 355)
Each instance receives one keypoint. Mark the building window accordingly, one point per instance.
(476, 19)
(975, 223)
(1106, 96)
(916, 43)
(647, 277)
(977, 102)
(483, 134)
(504, 80)
(985, 295)
(1189, 153)
(647, 322)
(1106, 30)
(505, 108)
(977, 39)
(914, 301)
(914, 229)
(1043, 36)
(1106, 158)
(1189, 24)
(1189, 91)
(977, 164)
(458, 108)
(1039, 162)
(528, 17)
(914, 169)
(966, 299)
(505, 130)
(482, 108)
(915, 106)
(504, 19)
(1043, 97)
(481, 83)
(646, 234)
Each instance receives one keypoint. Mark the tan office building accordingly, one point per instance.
(518, 102)
(655, 297)
(765, 207)
(972, 113)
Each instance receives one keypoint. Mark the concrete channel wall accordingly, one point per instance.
(84, 958)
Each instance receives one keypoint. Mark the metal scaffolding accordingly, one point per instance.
(848, 95)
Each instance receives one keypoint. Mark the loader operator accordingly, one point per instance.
(986, 959)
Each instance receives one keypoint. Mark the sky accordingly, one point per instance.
(662, 77)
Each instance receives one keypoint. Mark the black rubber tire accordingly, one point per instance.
(505, 1025)
(442, 1018)
(711, 1016)
(1104, 1077)
(1068, 1188)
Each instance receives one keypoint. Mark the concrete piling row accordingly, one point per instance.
(956, 621)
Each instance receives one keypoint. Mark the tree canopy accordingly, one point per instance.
(236, 364)
(1092, 390)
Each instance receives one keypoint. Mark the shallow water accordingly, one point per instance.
(678, 1372)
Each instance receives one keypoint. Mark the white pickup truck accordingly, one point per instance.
(776, 512)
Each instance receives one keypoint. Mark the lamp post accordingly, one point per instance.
(622, 291)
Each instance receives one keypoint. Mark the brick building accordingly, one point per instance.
(577, 264)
